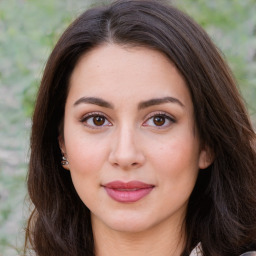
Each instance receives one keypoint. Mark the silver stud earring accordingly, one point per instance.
(64, 161)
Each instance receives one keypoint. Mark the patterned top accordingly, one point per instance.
(198, 252)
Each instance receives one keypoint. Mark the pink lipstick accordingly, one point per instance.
(127, 192)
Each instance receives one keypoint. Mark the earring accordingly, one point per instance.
(64, 161)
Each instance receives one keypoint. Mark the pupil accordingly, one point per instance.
(158, 120)
(98, 120)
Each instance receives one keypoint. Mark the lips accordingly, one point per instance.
(128, 192)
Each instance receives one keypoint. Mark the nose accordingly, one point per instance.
(126, 152)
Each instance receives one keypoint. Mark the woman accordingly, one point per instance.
(140, 142)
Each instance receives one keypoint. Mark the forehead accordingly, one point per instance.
(118, 72)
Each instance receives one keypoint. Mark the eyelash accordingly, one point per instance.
(85, 119)
(163, 115)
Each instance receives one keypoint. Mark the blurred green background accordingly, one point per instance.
(28, 31)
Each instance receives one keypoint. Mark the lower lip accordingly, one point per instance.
(128, 196)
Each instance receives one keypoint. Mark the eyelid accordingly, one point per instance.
(93, 114)
(160, 113)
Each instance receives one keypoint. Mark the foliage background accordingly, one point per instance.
(28, 31)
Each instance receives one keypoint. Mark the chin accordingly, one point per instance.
(127, 222)
(130, 227)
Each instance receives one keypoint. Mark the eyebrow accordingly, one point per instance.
(144, 104)
(158, 101)
(93, 100)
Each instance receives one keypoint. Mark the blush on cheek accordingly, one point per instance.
(180, 164)
(84, 158)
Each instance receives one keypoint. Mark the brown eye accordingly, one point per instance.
(159, 120)
(99, 120)
(94, 120)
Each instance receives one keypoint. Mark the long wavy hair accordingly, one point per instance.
(221, 212)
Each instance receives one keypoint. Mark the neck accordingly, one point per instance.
(153, 242)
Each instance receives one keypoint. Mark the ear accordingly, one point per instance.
(63, 150)
(206, 157)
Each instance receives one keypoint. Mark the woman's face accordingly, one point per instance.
(130, 138)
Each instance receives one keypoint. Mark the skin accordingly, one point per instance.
(127, 143)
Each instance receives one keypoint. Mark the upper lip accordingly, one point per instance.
(127, 185)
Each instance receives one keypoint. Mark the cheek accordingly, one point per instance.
(177, 160)
(85, 162)
(85, 152)
(86, 156)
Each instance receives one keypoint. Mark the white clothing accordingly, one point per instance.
(197, 251)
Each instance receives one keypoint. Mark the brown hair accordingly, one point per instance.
(221, 212)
